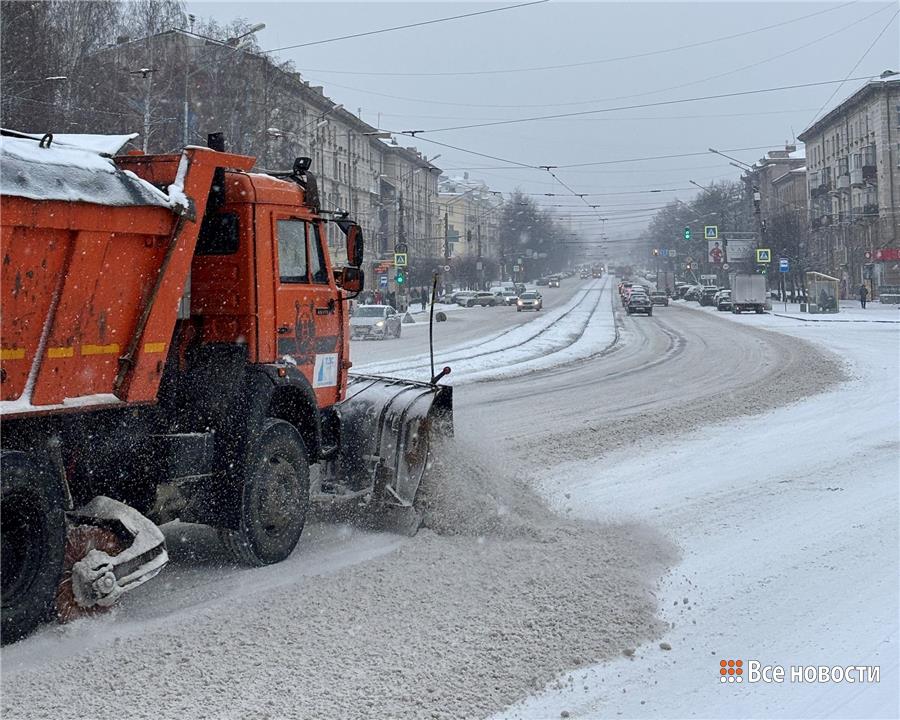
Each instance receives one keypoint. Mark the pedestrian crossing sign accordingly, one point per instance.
(401, 259)
(711, 232)
(763, 255)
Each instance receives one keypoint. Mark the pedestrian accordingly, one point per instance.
(377, 297)
(863, 296)
(423, 296)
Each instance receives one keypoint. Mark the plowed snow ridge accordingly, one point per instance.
(581, 328)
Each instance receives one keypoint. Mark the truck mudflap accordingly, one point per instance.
(387, 430)
(100, 579)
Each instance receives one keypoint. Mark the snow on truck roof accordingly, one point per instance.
(74, 168)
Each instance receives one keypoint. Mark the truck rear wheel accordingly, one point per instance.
(33, 529)
(274, 499)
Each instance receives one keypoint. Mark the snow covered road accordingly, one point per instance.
(789, 528)
(693, 429)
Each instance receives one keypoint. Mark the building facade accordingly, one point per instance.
(176, 87)
(853, 187)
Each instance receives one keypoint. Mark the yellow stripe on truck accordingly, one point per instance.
(156, 347)
(12, 353)
(60, 352)
(100, 349)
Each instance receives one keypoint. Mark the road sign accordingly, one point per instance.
(517, 268)
(446, 268)
(689, 259)
(711, 232)
(664, 252)
(707, 277)
(868, 254)
(763, 255)
(479, 265)
(725, 266)
(401, 248)
(783, 265)
(671, 252)
(382, 280)
(400, 259)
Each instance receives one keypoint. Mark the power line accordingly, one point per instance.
(406, 27)
(701, 98)
(601, 61)
(862, 57)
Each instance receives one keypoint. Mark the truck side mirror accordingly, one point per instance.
(350, 279)
(354, 245)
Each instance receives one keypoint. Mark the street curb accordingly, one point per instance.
(802, 319)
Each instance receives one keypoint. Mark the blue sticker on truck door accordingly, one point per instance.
(325, 372)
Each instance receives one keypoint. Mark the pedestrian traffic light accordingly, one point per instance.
(762, 269)
(687, 233)
(400, 277)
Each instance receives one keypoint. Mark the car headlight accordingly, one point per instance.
(520, 302)
(380, 323)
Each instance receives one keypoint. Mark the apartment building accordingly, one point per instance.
(471, 214)
(176, 86)
(853, 186)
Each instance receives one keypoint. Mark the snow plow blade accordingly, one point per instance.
(387, 428)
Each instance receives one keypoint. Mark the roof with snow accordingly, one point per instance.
(72, 168)
(886, 83)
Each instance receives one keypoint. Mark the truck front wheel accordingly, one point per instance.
(33, 529)
(274, 499)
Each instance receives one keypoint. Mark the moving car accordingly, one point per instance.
(465, 298)
(553, 281)
(659, 297)
(639, 303)
(506, 295)
(542, 281)
(530, 301)
(485, 299)
(374, 321)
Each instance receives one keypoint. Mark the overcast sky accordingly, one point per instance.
(372, 75)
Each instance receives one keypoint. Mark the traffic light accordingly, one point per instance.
(688, 266)
(400, 277)
(656, 251)
(762, 269)
(687, 233)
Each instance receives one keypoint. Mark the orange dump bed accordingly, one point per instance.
(91, 282)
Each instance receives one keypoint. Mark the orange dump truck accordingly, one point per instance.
(175, 346)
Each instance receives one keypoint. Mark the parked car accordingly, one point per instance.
(659, 297)
(639, 303)
(707, 295)
(542, 281)
(723, 300)
(529, 301)
(465, 298)
(553, 281)
(374, 321)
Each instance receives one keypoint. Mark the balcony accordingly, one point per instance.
(870, 211)
(826, 220)
(869, 169)
(843, 182)
(856, 178)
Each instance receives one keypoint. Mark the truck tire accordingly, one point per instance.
(274, 498)
(33, 522)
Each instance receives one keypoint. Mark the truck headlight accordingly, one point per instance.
(380, 323)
